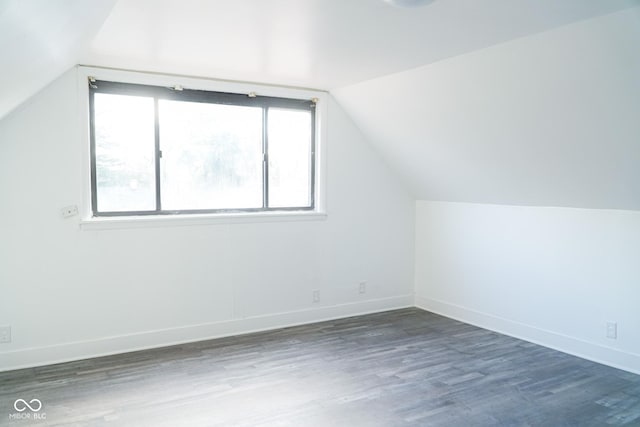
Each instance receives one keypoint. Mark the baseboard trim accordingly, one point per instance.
(67, 352)
(586, 350)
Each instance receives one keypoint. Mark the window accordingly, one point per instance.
(167, 150)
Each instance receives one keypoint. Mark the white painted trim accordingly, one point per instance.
(39, 356)
(67, 352)
(566, 344)
(84, 147)
(111, 223)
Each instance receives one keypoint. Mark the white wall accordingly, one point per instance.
(549, 275)
(69, 293)
(546, 120)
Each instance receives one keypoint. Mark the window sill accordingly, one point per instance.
(113, 223)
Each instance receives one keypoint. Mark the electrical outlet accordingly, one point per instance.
(316, 296)
(5, 334)
(362, 288)
(612, 330)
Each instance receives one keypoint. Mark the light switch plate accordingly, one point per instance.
(69, 211)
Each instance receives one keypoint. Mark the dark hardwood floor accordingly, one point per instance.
(400, 368)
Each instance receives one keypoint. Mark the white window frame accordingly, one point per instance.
(89, 222)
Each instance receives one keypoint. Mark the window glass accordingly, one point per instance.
(167, 150)
(289, 158)
(211, 156)
(124, 150)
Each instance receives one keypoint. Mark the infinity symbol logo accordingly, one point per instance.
(21, 405)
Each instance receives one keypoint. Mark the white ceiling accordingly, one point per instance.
(40, 39)
(321, 44)
(552, 119)
(400, 73)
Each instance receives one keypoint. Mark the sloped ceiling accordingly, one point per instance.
(40, 39)
(548, 120)
(322, 44)
(424, 84)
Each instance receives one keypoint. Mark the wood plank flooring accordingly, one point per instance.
(399, 368)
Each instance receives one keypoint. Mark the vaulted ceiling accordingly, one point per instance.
(468, 100)
(322, 44)
(552, 119)
(40, 39)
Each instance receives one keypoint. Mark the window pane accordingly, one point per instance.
(289, 158)
(124, 148)
(211, 156)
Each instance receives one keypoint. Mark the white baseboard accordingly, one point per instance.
(39, 356)
(566, 344)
